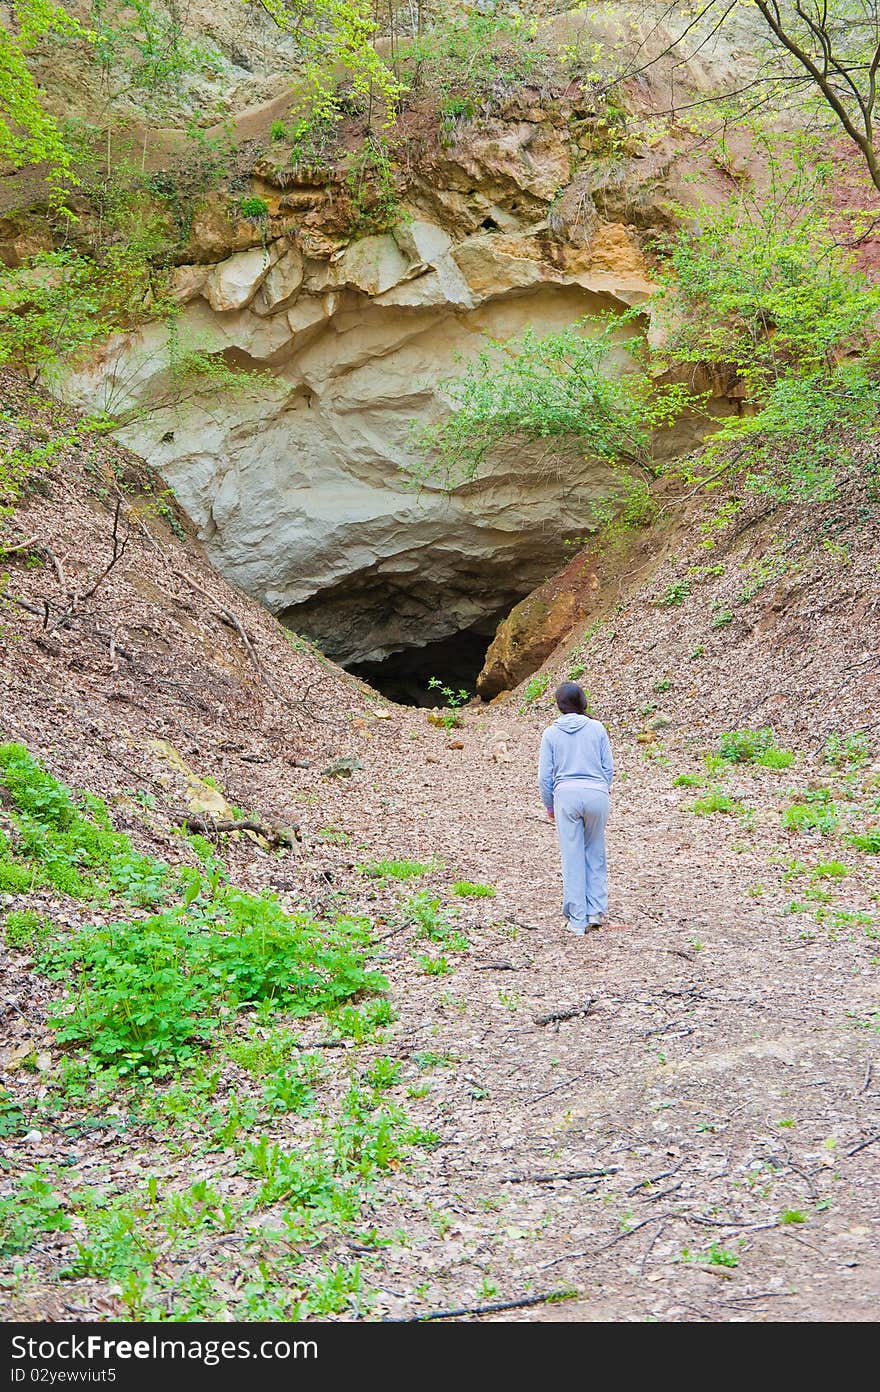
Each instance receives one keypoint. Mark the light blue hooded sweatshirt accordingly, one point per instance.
(574, 747)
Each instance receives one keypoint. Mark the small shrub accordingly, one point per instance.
(816, 813)
(868, 841)
(31, 1210)
(846, 751)
(829, 870)
(535, 687)
(754, 747)
(675, 594)
(715, 801)
(278, 130)
(395, 869)
(467, 890)
(253, 208)
(433, 966)
(25, 929)
(688, 780)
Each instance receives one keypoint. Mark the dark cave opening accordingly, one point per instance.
(404, 676)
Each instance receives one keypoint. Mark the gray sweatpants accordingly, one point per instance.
(581, 811)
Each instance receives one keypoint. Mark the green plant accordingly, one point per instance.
(540, 388)
(535, 688)
(688, 780)
(846, 751)
(256, 209)
(31, 1209)
(468, 890)
(715, 801)
(675, 594)
(25, 929)
(754, 747)
(396, 869)
(868, 841)
(815, 813)
(453, 699)
(278, 130)
(433, 966)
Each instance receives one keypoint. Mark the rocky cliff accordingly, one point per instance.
(535, 214)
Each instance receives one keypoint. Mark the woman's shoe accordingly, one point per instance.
(596, 921)
(579, 929)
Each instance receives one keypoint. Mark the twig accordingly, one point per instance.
(553, 1178)
(19, 546)
(208, 826)
(869, 1073)
(654, 1179)
(863, 1145)
(495, 1306)
(571, 1012)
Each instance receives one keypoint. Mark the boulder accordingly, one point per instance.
(281, 284)
(535, 626)
(495, 264)
(371, 265)
(234, 282)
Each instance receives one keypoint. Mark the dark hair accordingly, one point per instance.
(571, 699)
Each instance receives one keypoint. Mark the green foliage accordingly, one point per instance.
(868, 841)
(254, 208)
(32, 1209)
(147, 993)
(433, 921)
(28, 133)
(675, 594)
(396, 869)
(336, 32)
(846, 751)
(763, 285)
(560, 386)
(473, 62)
(372, 185)
(754, 747)
(715, 801)
(69, 845)
(535, 688)
(453, 700)
(468, 890)
(814, 812)
(25, 929)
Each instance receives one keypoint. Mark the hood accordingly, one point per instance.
(572, 723)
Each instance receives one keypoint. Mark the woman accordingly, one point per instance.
(574, 777)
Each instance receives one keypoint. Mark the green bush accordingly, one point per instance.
(754, 747)
(846, 751)
(715, 801)
(396, 869)
(25, 929)
(815, 813)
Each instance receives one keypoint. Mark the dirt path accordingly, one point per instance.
(713, 1098)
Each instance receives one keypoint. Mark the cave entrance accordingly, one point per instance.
(455, 661)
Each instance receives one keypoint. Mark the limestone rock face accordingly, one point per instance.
(233, 283)
(537, 625)
(295, 475)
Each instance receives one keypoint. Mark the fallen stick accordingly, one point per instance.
(552, 1178)
(863, 1145)
(210, 826)
(571, 1012)
(497, 1305)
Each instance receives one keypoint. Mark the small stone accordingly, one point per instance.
(343, 767)
(33, 1137)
